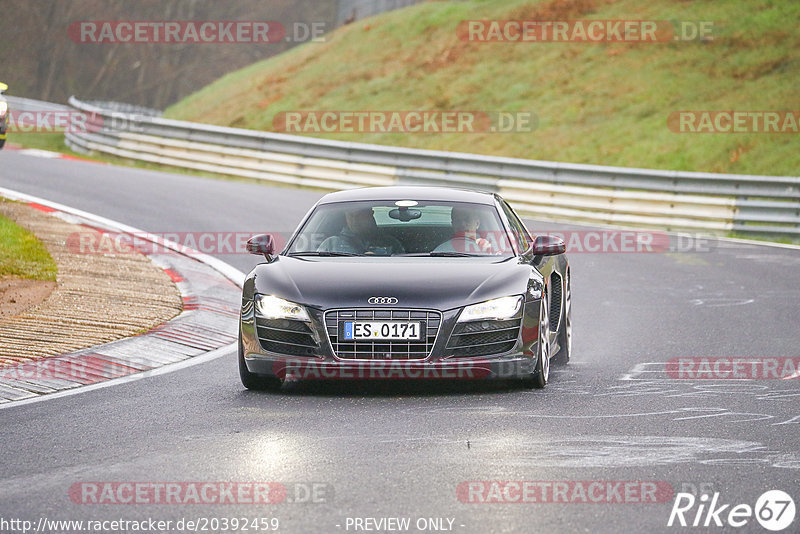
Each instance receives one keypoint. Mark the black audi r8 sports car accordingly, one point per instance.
(406, 282)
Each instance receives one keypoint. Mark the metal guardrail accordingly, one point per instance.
(672, 200)
(121, 107)
(17, 103)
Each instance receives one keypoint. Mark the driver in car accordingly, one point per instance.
(361, 235)
(465, 238)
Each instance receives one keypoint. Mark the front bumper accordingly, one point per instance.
(315, 368)
(441, 363)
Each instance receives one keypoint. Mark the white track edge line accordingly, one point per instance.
(230, 272)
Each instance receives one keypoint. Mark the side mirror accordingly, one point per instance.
(548, 245)
(3, 88)
(262, 244)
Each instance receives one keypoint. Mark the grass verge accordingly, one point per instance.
(22, 255)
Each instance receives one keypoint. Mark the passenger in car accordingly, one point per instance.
(465, 238)
(361, 235)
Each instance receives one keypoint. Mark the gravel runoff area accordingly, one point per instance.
(98, 298)
(19, 294)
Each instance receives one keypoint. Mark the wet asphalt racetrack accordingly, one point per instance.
(383, 449)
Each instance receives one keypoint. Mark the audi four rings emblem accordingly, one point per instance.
(383, 300)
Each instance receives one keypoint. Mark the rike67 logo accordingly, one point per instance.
(774, 510)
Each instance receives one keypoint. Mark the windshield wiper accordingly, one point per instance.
(326, 253)
(443, 254)
(454, 254)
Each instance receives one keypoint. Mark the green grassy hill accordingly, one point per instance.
(600, 103)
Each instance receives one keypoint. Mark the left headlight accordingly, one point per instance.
(3, 108)
(497, 309)
(272, 307)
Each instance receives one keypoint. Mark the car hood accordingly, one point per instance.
(438, 283)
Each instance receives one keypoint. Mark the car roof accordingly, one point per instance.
(410, 192)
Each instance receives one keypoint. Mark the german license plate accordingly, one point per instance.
(381, 330)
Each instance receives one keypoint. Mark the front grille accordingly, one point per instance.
(482, 338)
(284, 336)
(555, 301)
(383, 350)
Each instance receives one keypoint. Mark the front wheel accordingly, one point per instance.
(541, 374)
(254, 381)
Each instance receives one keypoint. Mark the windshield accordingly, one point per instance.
(402, 228)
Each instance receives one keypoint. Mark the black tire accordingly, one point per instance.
(2, 142)
(565, 333)
(541, 374)
(254, 381)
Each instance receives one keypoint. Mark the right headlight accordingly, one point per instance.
(272, 307)
(495, 309)
(3, 108)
